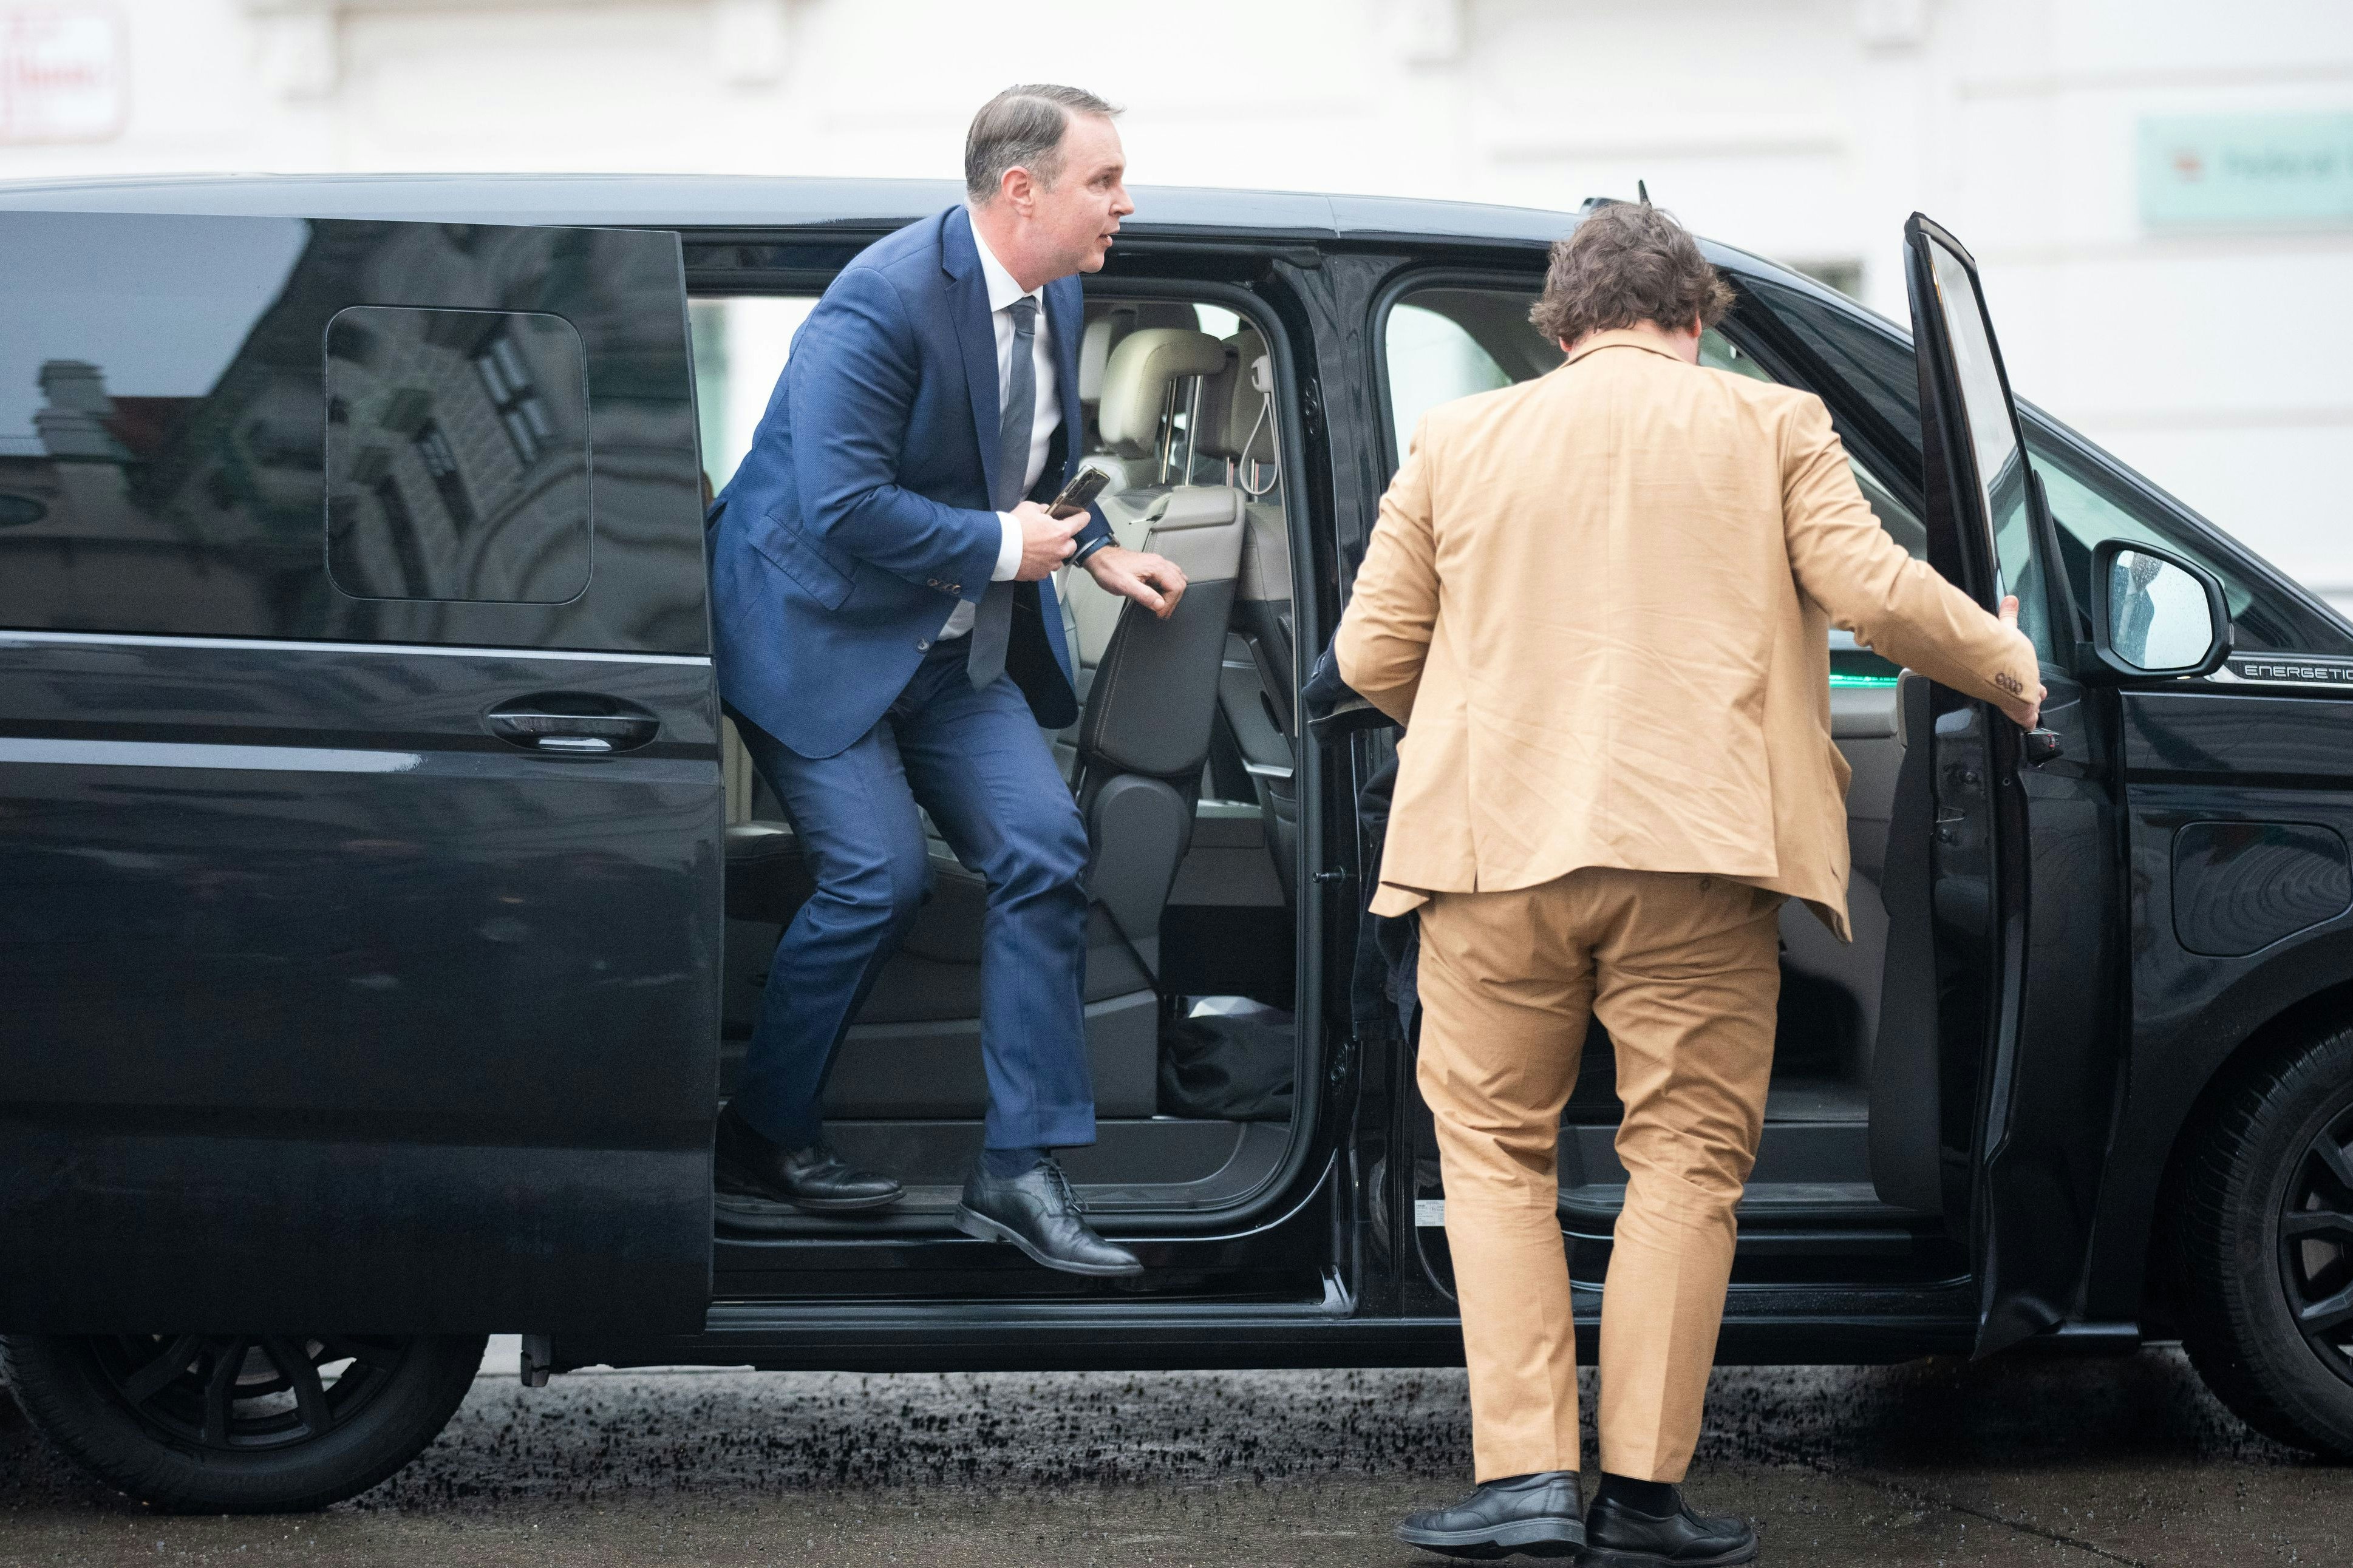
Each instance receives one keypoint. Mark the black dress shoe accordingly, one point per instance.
(815, 1178)
(1037, 1212)
(1619, 1536)
(1535, 1515)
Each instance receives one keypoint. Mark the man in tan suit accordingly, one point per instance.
(1601, 601)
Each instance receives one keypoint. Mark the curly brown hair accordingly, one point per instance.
(1628, 262)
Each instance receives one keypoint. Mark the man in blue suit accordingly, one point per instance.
(888, 637)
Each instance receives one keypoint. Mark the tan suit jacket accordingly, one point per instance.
(1602, 599)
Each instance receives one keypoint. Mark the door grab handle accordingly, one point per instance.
(2044, 746)
(575, 726)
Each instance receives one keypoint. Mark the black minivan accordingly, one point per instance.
(385, 898)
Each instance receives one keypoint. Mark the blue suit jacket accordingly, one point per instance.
(862, 514)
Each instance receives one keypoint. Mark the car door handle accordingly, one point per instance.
(2044, 746)
(563, 724)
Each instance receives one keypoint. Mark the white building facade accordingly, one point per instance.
(2160, 192)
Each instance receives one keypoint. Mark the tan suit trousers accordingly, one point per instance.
(1683, 970)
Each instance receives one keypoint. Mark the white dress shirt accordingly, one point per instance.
(1043, 420)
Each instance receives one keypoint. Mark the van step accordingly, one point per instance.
(1792, 1154)
(1766, 1202)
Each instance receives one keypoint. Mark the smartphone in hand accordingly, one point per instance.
(1084, 485)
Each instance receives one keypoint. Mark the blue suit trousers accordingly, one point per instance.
(978, 763)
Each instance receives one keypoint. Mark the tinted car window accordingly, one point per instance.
(1996, 455)
(164, 417)
(2089, 506)
(2087, 503)
(457, 456)
(1875, 367)
(1433, 359)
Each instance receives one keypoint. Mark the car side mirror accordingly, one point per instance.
(2154, 614)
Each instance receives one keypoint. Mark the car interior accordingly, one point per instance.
(1182, 762)
(1850, 1135)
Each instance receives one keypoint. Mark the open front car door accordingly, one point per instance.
(2029, 893)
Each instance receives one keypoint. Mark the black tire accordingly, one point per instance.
(2265, 1232)
(230, 1424)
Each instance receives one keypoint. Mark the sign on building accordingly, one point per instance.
(61, 73)
(2247, 170)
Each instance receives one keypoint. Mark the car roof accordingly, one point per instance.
(735, 203)
(741, 202)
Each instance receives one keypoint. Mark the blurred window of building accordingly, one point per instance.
(457, 456)
(514, 395)
(441, 465)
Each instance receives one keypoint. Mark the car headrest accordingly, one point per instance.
(1106, 324)
(1235, 413)
(1137, 379)
(1095, 353)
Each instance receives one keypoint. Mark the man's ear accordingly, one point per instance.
(1017, 187)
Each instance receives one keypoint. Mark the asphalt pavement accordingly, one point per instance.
(2013, 1462)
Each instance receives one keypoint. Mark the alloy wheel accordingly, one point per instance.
(246, 1393)
(2316, 1239)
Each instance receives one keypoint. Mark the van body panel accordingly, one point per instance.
(340, 998)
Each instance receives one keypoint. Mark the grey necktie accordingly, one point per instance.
(992, 623)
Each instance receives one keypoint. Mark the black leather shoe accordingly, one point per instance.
(1037, 1212)
(1534, 1516)
(815, 1178)
(1618, 1536)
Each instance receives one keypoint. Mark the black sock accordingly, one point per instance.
(1656, 1498)
(1003, 1163)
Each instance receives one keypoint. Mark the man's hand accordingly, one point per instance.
(1045, 540)
(1152, 580)
(2024, 710)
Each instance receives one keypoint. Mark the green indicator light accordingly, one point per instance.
(1878, 680)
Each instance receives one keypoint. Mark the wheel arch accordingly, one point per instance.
(2170, 1135)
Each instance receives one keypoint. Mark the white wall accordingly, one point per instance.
(1801, 129)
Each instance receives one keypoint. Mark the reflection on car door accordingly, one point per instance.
(2027, 887)
(359, 796)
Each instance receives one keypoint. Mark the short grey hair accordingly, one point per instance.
(1022, 127)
